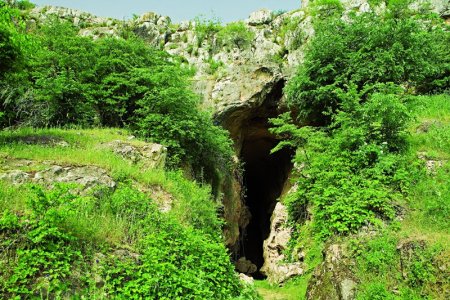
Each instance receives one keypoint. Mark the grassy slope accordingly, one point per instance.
(94, 222)
(86, 147)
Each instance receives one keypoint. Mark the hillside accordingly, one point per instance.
(292, 155)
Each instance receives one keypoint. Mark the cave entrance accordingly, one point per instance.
(265, 176)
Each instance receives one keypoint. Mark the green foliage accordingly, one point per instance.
(45, 253)
(382, 264)
(61, 73)
(169, 113)
(290, 29)
(430, 197)
(197, 209)
(235, 34)
(53, 245)
(10, 40)
(214, 65)
(198, 268)
(377, 255)
(205, 29)
(350, 172)
(326, 8)
(24, 4)
(14, 46)
(73, 80)
(364, 52)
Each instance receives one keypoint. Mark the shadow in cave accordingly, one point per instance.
(265, 175)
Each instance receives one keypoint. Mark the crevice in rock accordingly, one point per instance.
(265, 175)
(264, 178)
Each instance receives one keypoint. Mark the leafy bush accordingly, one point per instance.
(24, 5)
(163, 260)
(365, 51)
(326, 8)
(290, 29)
(235, 34)
(205, 28)
(61, 76)
(14, 47)
(73, 80)
(350, 172)
(175, 263)
(46, 253)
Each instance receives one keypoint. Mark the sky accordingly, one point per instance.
(177, 10)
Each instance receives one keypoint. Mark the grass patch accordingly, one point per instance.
(293, 290)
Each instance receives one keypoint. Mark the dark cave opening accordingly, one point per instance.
(265, 175)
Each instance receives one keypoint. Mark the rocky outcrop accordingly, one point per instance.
(275, 267)
(149, 155)
(245, 266)
(87, 177)
(333, 279)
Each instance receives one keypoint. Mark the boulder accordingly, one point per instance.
(260, 17)
(15, 177)
(88, 177)
(150, 155)
(243, 265)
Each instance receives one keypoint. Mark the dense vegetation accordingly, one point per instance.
(56, 242)
(369, 119)
(357, 165)
(53, 77)
(107, 242)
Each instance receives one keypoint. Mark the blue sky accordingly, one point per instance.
(177, 10)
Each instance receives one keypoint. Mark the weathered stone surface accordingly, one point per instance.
(243, 265)
(276, 270)
(333, 280)
(15, 177)
(260, 17)
(151, 156)
(430, 164)
(45, 140)
(87, 176)
(246, 279)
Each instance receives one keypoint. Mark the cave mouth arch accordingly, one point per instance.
(264, 176)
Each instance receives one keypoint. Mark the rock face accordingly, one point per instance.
(88, 177)
(333, 280)
(245, 266)
(276, 270)
(150, 155)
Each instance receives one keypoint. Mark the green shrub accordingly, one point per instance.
(50, 248)
(235, 34)
(205, 29)
(72, 80)
(365, 51)
(351, 172)
(14, 48)
(290, 28)
(326, 8)
(175, 263)
(45, 252)
(24, 5)
(214, 65)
